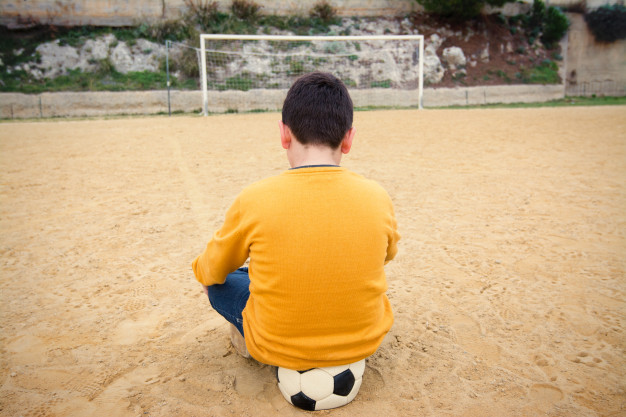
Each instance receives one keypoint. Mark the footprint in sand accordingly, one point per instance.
(584, 358)
(372, 380)
(529, 266)
(144, 287)
(249, 384)
(612, 322)
(27, 348)
(469, 335)
(213, 322)
(544, 396)
(142, 329)
(542, 360)
(107, 393)
(88, 384)
(42, 410)
(582, 323)
(45, 380)
(135, 304)
(61, 357)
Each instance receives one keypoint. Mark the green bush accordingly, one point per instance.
(549, 24)
(537, 15)
(245, 9)
(104, 68)
(242, 82)
(173, 30)
(547, 72)
(186, 64)
(555, 26)
(104, 79)
(381, 84)
(607, 23)
(300, 25)
(204, 13)
(459, 9)
(324, 11)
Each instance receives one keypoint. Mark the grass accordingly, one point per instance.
(298, 24)
(381, 84)
(564, 102)
(77, 80)
(545, 73)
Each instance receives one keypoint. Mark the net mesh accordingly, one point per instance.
(270, 64)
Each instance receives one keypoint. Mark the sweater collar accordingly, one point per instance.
(313, 166)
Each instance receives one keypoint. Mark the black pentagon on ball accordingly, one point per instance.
(344, 382)
(300, 400)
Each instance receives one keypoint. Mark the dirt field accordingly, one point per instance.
(509, 289)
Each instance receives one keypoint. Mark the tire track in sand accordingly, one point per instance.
(199, 205)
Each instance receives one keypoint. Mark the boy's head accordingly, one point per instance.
(318, 110)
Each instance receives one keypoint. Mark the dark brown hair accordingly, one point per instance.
(318, 109)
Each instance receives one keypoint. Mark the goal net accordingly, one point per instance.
(253, 72)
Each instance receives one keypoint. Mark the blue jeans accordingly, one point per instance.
(230, 298)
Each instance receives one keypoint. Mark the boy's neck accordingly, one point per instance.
(304, 155)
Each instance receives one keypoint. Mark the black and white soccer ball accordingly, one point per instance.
(321, 388)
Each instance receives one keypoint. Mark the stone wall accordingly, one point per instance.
(593, 67)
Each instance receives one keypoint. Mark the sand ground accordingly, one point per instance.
(509, 288)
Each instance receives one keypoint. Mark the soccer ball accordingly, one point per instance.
(321, 388)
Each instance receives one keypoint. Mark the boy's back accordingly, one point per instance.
(317, 236)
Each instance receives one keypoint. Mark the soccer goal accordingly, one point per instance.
(253, 72)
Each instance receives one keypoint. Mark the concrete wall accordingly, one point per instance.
(17, 13)
(18, 106)
(593, 67)
(591, 4)
(129, 12)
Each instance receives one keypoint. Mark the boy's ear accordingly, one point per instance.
(285, 135)
(346, 143)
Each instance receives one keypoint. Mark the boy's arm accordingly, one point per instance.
(392, 239)
(225, 252)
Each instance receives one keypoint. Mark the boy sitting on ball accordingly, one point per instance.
(318, 237)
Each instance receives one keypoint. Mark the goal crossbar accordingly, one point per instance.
(205, 37)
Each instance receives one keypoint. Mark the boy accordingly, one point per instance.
(318, 237)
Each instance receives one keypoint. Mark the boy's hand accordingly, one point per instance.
(206, 290)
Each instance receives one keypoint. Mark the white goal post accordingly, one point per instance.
(379, 71)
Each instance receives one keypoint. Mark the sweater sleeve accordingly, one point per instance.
(392, 238)
(225, 252)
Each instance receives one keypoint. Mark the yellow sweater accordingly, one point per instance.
(317, 238)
